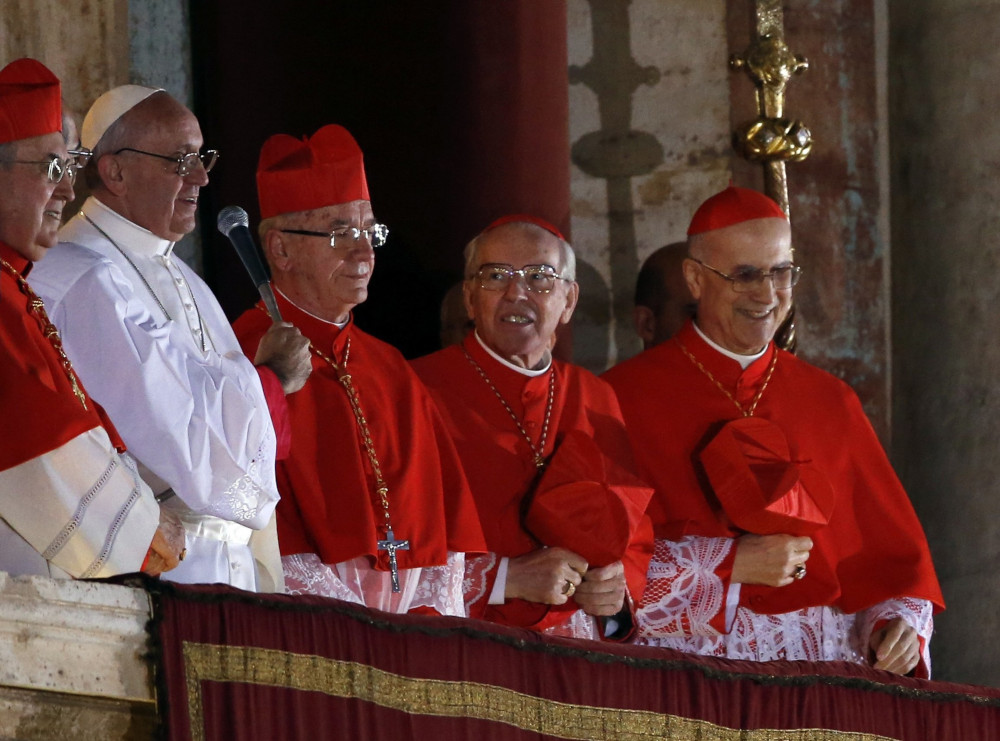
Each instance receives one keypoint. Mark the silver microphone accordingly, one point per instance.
(234, 223)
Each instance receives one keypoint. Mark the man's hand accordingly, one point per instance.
(602, 591)
(167, 548)
(549, 576)
(284, 350)
(896, 647)
(769, 559)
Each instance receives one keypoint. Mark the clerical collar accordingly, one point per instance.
(744, 360)
(124, 232)
(338, 325)
(523, 371)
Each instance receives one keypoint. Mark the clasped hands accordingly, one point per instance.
(552, 575)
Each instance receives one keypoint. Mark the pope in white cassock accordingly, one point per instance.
(154, 347)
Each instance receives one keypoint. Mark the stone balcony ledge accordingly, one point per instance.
(72, 660)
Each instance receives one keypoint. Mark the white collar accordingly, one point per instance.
(338, 325)
(523, 371)
(744, 360)
(125, 233)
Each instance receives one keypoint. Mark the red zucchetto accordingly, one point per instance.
(30, 101)
(525, 219)
(310, 173)
(733, 206)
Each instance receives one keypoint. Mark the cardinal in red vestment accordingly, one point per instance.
(543, 445)
(70, 503)
(375, 508)
(782, 531)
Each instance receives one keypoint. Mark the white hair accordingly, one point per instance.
(568, 258)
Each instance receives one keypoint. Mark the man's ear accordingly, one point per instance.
(112, 176)
(645, 324)
(693, 277)
(467, 288)
(572, 296)
(276, 251)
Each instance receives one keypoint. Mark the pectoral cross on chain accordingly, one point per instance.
(391, 545)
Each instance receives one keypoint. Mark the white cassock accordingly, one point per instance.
(154, 348)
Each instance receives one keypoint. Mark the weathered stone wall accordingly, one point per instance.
(649, 127)
(72, 661)
(946, 287)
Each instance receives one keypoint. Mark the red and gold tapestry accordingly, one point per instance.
(234, 666)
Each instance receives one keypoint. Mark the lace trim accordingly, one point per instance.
(683, 592)
(579, 625)
(476, 581)
(241, 500)
(436, 587)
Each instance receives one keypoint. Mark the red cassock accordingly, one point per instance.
(40, 409)
(590, 472)
(872, 548)
(328, 504)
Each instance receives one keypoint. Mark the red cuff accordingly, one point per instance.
(277, 405)
(724, 572)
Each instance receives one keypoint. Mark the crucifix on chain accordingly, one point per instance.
(391, 545)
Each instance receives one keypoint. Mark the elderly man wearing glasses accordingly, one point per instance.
(543, 445)
(154, 348)
(71, 501)
(782, 530)
(374, 506)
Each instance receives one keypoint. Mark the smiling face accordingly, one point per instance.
(518, 324)
(742, 323)
(30, 206)
(325, 281)
(147, 190)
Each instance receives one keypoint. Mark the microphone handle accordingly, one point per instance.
(267, 295)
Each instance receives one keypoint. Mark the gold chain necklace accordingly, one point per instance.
(389, 543)
(37, 306)
(756, 399)
(540, 450)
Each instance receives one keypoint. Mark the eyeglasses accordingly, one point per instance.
(57, 168)
(81, 156)
(537, 278)
(376, 234)
(749, 279)
(185, 162)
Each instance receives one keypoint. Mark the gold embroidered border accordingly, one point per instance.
(452, 699)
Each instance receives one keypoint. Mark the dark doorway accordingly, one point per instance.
(460, 106)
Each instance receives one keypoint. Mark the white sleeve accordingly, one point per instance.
(684, 595)
(82, 507)
(198, 421)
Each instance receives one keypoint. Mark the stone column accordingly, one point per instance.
(946, 290)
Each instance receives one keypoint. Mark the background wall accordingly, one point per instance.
(946, 256)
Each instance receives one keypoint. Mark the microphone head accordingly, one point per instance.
(232, 216)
